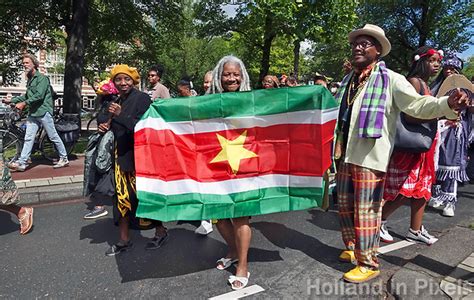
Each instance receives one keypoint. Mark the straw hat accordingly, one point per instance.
(375, 32)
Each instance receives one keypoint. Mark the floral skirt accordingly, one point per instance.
(8, 188)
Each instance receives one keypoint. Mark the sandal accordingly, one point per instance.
(26, 220)
(243, 280)
(225, 263)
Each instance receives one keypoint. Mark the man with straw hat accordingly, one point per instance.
(371, 97)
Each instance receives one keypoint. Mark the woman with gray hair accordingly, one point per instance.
(230, 75)
(220, 84)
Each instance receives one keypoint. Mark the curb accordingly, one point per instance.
(34, 191)
(460, 283)
(423, 276)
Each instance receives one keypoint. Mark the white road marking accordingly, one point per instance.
(395, 246)
(247, 291)
(254, 289)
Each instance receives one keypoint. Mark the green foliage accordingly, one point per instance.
(468, 70)
(262, 24)
(446, 25)
(177, 44)
(188, 37)
(116, 30)
(330, 49)
(25, 26)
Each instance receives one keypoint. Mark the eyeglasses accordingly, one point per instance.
(363, 45)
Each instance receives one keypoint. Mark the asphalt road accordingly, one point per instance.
(292, 255)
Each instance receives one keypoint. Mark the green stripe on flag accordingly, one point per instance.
(242, 104)
(208, 206)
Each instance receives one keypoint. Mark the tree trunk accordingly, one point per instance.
(76, 32)
(268, 37)
(296, 57)
(424, 24)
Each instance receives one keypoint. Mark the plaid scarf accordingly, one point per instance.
(372, 110)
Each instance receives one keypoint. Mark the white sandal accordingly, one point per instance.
(243, 280)
(225, 263)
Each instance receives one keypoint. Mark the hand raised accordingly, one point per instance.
(115, 109)
(458, 100)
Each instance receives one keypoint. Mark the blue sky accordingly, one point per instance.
(468, 53)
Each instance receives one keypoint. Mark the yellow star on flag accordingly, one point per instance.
(233, 151)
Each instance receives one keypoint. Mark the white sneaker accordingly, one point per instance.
(205, 228)
(435, 203)
(385, 236)
(448, 211)
(63, 162)
(421, 236)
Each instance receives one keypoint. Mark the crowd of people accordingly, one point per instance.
(371, 182)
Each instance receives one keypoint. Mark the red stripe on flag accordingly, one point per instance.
(293, 149)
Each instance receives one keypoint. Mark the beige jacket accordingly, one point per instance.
(159, 91)
(401, 96)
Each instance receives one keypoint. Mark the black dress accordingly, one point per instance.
(133, 107)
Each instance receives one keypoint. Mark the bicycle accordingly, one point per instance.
(14, 136)
(92, 124)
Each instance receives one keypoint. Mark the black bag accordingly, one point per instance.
(54, 95)
(68, 130)
(414, 138)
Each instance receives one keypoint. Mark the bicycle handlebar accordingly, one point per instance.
(12, 113)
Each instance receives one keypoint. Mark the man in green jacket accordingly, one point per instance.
(39, 100)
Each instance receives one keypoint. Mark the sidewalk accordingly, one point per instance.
(444, 271)
(41, 183)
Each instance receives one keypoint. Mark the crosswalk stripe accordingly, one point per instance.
(395, 246)
(250, 290)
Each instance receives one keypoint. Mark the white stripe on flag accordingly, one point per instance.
(225, 187)
(211, 125)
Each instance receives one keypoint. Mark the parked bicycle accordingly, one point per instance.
(13, 132)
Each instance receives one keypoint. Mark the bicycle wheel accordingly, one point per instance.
(12, 145)
(49, 151)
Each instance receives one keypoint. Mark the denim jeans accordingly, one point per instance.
(32, 127)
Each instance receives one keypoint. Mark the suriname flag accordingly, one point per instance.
(234, 154)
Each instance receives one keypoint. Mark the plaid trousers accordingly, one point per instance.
(360, 193)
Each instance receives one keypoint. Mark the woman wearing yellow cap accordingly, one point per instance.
(124, 114)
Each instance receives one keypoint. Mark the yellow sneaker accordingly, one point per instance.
(348, 256)
(360, 274)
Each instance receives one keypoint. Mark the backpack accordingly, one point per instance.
(54, 95)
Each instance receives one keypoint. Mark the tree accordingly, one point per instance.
(468, 70)
(320, 22)
(23, 26)
(441, 24)
(260, 23)
(35, 24)
(255, 26)
(76, 31)
(178, 45)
